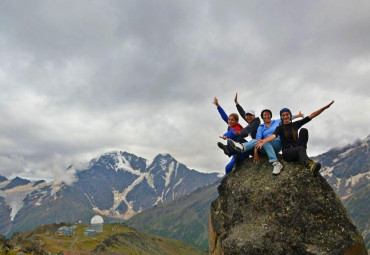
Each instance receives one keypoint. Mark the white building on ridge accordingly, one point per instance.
(97, 223)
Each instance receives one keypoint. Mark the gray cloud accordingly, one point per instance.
(82, 78)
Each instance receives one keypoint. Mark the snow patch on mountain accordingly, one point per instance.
(346, 153)
(55, 187)
(4, 183)
(327, 171)
(171, 168)
(122, 197)
(355, 179)
(150, 180)
(14, 197)
(160, 199)
(122, 164)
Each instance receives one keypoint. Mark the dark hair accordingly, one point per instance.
(266, 110)
(294, 132)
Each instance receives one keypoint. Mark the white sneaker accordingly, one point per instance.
(236, 147)
(277, 167)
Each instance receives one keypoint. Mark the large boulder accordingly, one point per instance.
(290, 213)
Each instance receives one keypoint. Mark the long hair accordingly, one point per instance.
(294, 132)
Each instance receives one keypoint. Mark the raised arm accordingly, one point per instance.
(316, 113)
(240, 109)
(220, 110)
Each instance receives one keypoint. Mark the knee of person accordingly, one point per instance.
(303, 131)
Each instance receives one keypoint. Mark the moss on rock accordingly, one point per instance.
(291, 213)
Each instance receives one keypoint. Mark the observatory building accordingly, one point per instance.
(97, 223)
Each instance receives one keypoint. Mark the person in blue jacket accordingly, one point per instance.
(233, 126)
(271, 148)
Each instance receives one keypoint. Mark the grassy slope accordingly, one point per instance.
(184, 219)
(358, 208)
(116, 239)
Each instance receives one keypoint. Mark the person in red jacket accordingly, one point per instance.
(232, 130)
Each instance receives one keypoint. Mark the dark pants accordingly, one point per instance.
(298, 151)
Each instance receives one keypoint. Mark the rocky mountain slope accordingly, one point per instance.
(291, 213)
(347, 170)
(183, 219)
(116, 185)
(3, 179)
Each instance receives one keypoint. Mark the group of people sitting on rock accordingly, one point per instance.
(268, 138)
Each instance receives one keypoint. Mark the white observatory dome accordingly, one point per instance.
(97, 219)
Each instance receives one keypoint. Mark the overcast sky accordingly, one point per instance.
(81, 78)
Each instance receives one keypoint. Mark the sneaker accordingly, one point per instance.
(277, 167)
(224, 148)
(314, 167)
(235, 147)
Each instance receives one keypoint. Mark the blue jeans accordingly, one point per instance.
(249, 145)
(271, 148)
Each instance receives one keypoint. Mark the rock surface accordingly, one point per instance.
(291, 213)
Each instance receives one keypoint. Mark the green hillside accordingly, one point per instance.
(184, 219)
(358, 208)
(115, 239)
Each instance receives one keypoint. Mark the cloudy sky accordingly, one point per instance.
(81, 78)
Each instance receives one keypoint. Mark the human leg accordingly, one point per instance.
(290, 154)
(242, 156)
(239, 148)
(299, 153)
(276, 144)
(270, 151)
(224, 148)
(302, 137)
(230, 165)
(249, 145)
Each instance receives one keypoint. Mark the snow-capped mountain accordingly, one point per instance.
(129, 184)
(12, 194)
(115, 185)
(347, 169)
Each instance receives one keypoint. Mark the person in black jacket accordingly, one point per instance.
(294, 143)
(250, 117)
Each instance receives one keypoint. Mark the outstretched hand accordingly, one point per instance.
(236, 98)
(215, 101)
(224, 137)
(300, 114)
(332, 102)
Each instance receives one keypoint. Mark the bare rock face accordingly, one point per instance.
(291, 213)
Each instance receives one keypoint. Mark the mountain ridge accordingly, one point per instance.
(115, 184)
